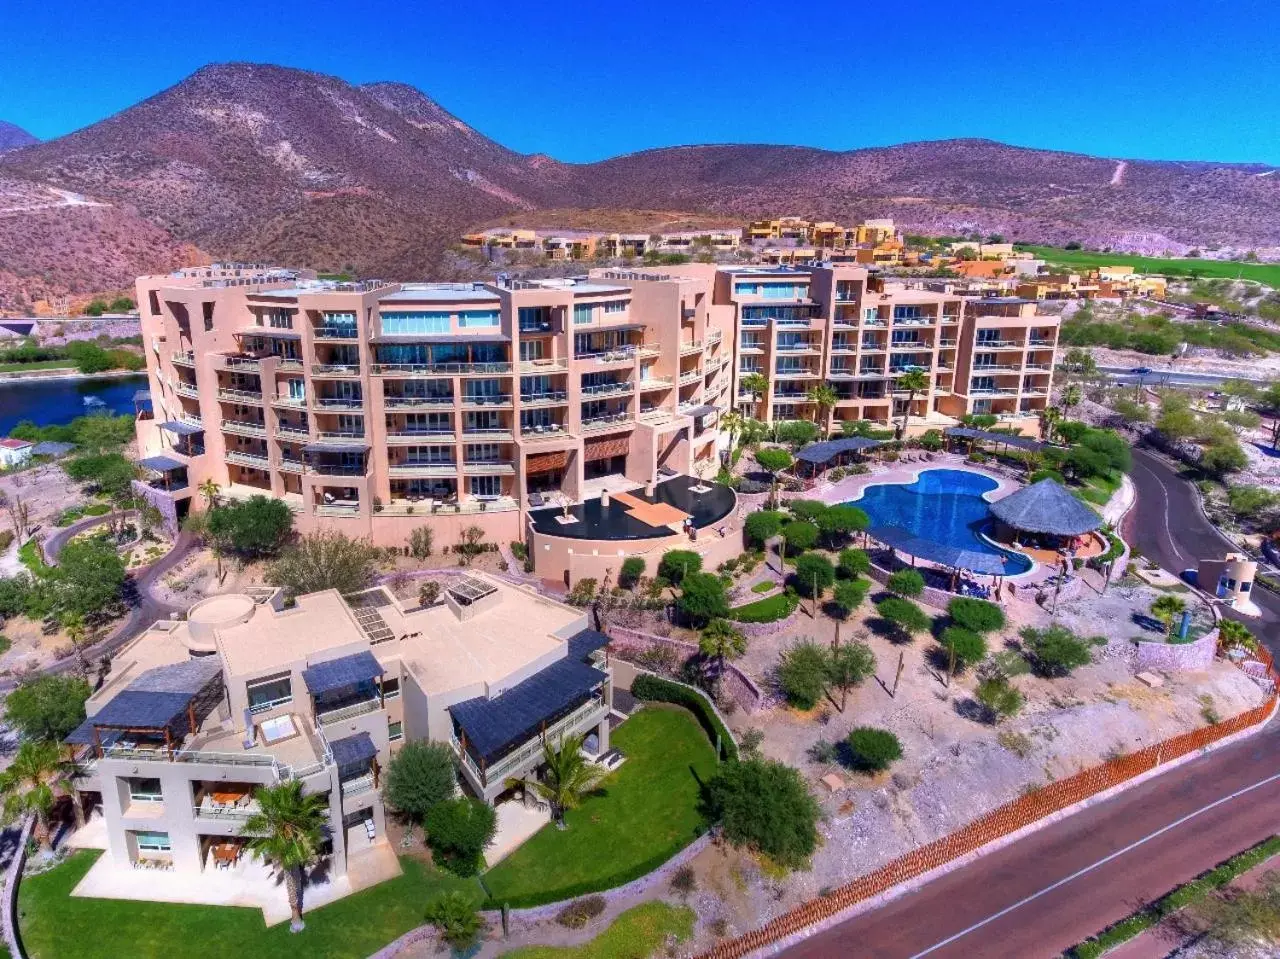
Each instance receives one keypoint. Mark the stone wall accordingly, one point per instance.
(1178, 657)
(937, 598)
(735, 685)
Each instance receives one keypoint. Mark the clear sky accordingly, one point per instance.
(1177, 79)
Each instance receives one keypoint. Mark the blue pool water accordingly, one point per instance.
(945, 506)
(45, 402)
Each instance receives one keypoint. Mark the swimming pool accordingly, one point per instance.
(945, 506)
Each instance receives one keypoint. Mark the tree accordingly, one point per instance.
(906, 582)
(702, 598)
(1081, 363)
(455, 917)
(47, 708)
(913, 382)
(964, 648)
(1269, 404)
(1176, 421)
(814, 575)
(773, 461)
(1049, 418)
(873, 750)
(1242, 421)
(1240, 921)
(721, 640)
(1055, 650)
(109, 473)
(472, 544)
(977, 615)
(807, 510)
(429, 593)
(756, 384)
(731, 422)
(848, 666)
(458, 831)
(998, 697)
(421, 775)
(904, 617)
(1131, 412)
(676, 564)
(19, 514)
(823, 397)
(252, 528)
(802, 673)
(32, 783)
(1168, 609)
(73, 625)
(287, 831)
(422, 542)
(838, 522)
(847, 597)
(761, 526)
(325, 560)
(854, 562)
(568, 779)
(209, 490)
(88, 579)
(765, 806)
(1071, 397)
(632, 570)
(1222, 458)
(1234, 634)
(800, 536)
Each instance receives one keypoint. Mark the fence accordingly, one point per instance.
(995, 825)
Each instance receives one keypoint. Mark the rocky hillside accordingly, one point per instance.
(270, 163)
(12, 137)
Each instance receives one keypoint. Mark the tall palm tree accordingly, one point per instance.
(756, 384)
(209, 490)
(287, 832)
(823, 397)
(1050, 417)
(721, 640)
(731, 422)
(913, 381)
(1071, 396)
(569, 778)
(32, 783)
(1167, 609)
(73, 623)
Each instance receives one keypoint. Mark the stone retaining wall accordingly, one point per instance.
(735, 685)
(12, 879)
(1179, 657)
(937, 598)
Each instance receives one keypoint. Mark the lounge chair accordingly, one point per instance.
(535, 499)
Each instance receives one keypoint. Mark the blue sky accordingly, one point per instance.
(1179, 79)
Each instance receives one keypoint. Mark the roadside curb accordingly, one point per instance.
(912, 885)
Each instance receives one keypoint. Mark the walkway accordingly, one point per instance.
(851, 487)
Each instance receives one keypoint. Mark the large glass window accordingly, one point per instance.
(582, 313)
(152, 841)
(616, 306)
(534, 318)
(269, 693)
(486, 485)
(280, 319)
(907, 313)
(395, 731)
(145, 790)
(405, 323)
(470, 319)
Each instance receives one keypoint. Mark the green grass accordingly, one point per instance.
(636, 933)
(767, 610)
(29, 556)
(37, 365)
(644, 814)
(56, 925)
(765, 587)
(1267, 273)
(1181, 897)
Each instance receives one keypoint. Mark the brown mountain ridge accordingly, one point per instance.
(265, 162)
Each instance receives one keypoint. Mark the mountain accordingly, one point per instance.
(12, 137)
(270, 163)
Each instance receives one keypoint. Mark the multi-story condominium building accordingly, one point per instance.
(246, 692)
(376, 407)
(588, 245)
(846, 326)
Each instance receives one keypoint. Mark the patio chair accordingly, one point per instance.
(369, 829)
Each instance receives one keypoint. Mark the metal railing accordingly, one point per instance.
(348, 712)
(188, 390)
(411, 402)
(421, 434)
(693, 346)
(224, 814)
(239, 426)
(422, 469)
(335, 333)
(439, 369)
(486, 433)
(488, 466)
(656, 383)
(544, 365)
(187, 358)
(252, 396)
(597, 389)
(691, 376)
(596, 422)
(288, 429)
(295, 401)
(335, 369)
(339, 402)
(487, 399)
(358, 785)
(259, 461)
(536, 398)
(337, 469)
(251, 363)
(593, 709)
(617, 354)
(355, 437)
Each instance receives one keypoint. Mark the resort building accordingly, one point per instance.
(248, 692)
(374, 407)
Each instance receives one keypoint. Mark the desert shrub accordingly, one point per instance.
(676, 564)
(765, 806)
(583, 592)
(581, 911)
(873, 750)
(976, 615)
(632, 570)
(1055, 650)
(429, 593)
(967, 646)
(802, 673)
(421, 542)
(702, 598)
(906, 582)
(685, 881)
(904, 616)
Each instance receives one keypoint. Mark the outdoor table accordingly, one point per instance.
(226, 799)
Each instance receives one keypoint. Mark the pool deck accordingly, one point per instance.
(851, 487)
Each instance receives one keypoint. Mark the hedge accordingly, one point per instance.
(1115, 547)
(1181, 897)
(657, 689)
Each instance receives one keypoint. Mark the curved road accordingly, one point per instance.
(1042, 894)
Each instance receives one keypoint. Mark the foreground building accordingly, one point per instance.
(246, 693)
(374, 408)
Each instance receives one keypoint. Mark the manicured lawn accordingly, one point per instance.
(644, 814)
(767, 610)
(764, 587)
(1098, 489)
(1268, 273)
(637, 933)
(56, 925)
(37, 365)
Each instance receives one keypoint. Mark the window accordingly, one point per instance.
(534, 318)
(283, 319)
(153, 300)
(395, 731)
(744, 289)
(470, 319)
(582, 313)
(907, 313)
(486, 485)
(482, 453)
(870, 313)
(145, 790)
(152, 841)
(408, 323)
(207, 311)
(988, 336)
(616, 306)
(269, 693)
(390, 687)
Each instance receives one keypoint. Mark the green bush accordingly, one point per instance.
(997, 696)
(807, 510)
(1055, 650)
(967, 646)
(976, 615)
(873, 750)
(455, 917)
(765, 806)
(800, 535)
(904, 616)
(854, 562)
(255, 527)
(839, 522)
(702, 598)
(762, 526)
(802, 674)
(458, 830)
(656, 689)
(1043, 474)
(906, 582)
(678, 563)
(420, 776)
(814, 574)
(581, 911)
(632, 570)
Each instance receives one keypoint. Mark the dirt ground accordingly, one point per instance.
(196, 577)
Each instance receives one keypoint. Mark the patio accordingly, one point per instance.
(704, 502)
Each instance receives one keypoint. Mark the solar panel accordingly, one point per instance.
(373, 625)
(470, 590)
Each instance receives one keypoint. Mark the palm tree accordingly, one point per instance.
(1071, 396)
(289, 829)
(913, 381)
(73, 623)
(569, 778)
(731, 422)
(32, 782)
(755, 384)
(823, 397)
(1167, 609)
(1049, 418)
(209, 490)
(719, 641)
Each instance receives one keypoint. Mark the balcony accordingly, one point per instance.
(689, 348)
(419, 437)
(656, 383)
(415, 402)
(291, 365)
(439, 369)
(254, 460)
(547, 365)
(543, 431)
(486, 435)
(323, 468)
(188, 390)
(946, 344)
(604, 422)
(241, 428)
(588, 714)
(649, 350)
(321, 333)
(997, 345)
(917, 346)
(358, 785)
(244, 364)
(1039, 343)
(343, 713)
(608, 389)
(241, 396)
(1038, 367)
(289, 464)
(488, 467)
(347, 403)
(449, 468)
(331, 370)
(691, 376)
(557, 398)
(795, 373)
(351, 437)
(225, 814)
(184, 359)
(998, 368)
(488, 400)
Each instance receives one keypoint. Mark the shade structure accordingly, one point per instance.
(699, 411)
(493, 726)
(142, 396)
(586, 642)
(1009, 439)
(1045, 507)
(161, 464)
(344, 671)
(827, 450)
(179, 428)
(351, 754)
(158, 698)
(986, 564)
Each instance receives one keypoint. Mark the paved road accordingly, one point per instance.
(1161, 375)
(1039, 896)
(1168, 526)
